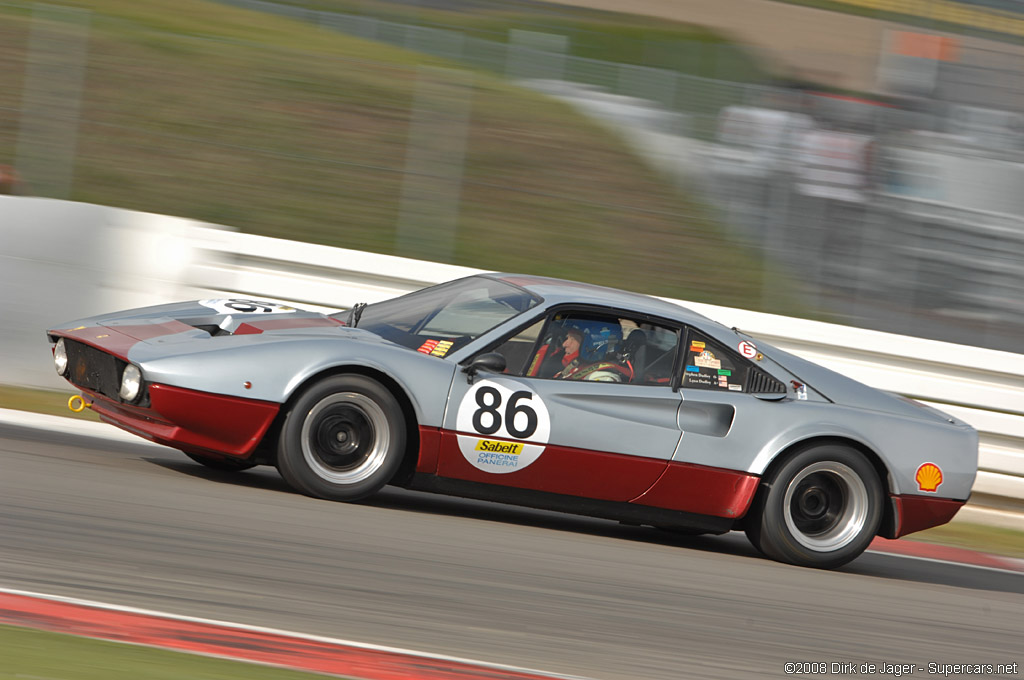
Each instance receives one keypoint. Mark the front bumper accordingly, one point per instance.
(193, 421)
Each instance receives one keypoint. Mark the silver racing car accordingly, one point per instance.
(538, 392)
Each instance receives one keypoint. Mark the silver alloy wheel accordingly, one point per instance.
(826, 506)
(345, 438)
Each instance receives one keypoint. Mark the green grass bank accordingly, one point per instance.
(280, 128)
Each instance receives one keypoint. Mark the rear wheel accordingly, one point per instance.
(343, 439)
(223, 464)
(820, 508)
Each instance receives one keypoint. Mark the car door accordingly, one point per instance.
(605, 432)
(730, 407)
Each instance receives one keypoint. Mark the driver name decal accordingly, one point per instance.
(508, 424)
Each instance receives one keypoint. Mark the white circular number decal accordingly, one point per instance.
(509, 422)
(246, 306)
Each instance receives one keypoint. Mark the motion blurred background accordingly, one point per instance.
(854, 161)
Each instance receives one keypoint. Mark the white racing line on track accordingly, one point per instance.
(286, 633)
(70, 425)
(1015, 572)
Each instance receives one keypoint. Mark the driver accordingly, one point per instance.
(584, 358)
(570, 352)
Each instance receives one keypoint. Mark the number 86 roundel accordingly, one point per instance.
(509, 423)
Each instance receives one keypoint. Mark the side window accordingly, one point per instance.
(518, 349)
(601, 348)
(654, 362)
(710, 366)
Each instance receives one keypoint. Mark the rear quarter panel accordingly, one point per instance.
(763, 430)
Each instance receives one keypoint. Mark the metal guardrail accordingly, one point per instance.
(981, 386)
(69, 260)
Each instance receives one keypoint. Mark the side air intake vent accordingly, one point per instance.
(765, 384)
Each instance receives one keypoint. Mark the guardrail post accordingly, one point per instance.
(431, 189)
(52, 99)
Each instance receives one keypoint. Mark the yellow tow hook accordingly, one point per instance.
(78, 404)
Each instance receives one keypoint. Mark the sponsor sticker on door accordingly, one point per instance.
(503, 426)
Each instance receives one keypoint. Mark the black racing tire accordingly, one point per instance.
(222, 464)
(343, 439)
(821, 508)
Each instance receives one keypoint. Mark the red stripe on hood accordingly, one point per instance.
(284, 324)
(147, 331)
(117, 340)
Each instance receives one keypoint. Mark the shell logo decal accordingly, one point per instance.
(929, 477)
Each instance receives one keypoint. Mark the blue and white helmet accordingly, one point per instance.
(598, 339)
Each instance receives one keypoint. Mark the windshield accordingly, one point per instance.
(444, 318)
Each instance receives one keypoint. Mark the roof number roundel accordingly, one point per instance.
(246, 306)
(503, 426)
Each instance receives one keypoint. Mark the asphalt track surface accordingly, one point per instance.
(139, 526)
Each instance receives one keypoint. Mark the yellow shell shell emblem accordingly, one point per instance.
(929, 477)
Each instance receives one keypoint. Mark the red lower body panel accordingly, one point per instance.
(916, 513)
(193, 421)
(430, 443)
(562, 470)
(605, 476)
(702, 490)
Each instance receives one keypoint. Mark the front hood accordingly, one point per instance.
(184, 323)
(227, 314)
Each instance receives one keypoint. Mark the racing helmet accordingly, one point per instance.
(598, 339)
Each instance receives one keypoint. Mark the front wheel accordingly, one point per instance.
(821, 508)
(343, 439)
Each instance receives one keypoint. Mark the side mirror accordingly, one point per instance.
(492, 362)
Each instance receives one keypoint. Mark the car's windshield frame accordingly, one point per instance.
(406, 320)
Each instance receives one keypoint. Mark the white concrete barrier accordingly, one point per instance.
(62, 260)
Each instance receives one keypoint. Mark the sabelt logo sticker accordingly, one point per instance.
(499, 447)
(503, 426)
(929, 477)
(246, 306)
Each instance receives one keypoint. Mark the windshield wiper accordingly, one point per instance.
(355, 313)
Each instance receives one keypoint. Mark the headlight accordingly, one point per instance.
(60, 358)
(131, 382)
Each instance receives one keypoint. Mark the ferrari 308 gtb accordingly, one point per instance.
(537, 392)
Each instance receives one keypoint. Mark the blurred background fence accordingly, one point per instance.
(876, 216)
(525, 54)
(158, 258)
(898, 208)
(691, 167)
